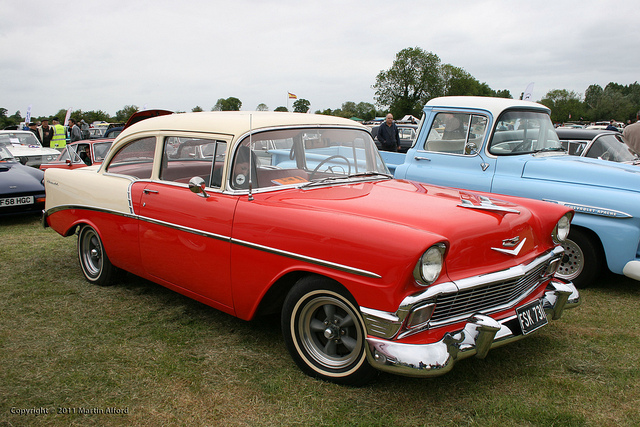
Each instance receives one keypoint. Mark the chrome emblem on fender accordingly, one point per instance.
(510, 243)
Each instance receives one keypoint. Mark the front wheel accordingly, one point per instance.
(94, 261)
(582, 260)
(324, 332)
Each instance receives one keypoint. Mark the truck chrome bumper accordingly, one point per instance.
(480, 334)
(632, 269)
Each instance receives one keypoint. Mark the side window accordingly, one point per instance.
(184, 158)
(135, 159)
(456, 133)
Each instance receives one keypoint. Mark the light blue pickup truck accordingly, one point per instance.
(510, 147)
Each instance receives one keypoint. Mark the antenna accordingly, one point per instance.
(250, 157)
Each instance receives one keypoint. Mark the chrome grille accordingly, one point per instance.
(486, 298)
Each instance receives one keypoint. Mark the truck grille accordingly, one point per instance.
(486, 298)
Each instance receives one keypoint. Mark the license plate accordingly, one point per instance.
(531, 316)
(16, 201)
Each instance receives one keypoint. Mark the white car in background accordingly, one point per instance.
(25, 147)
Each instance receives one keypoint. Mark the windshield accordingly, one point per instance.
(611, 147)
(522, 132)
(5, 156)
(298, 156)
(8, 139)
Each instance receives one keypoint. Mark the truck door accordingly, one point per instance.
(452, 152)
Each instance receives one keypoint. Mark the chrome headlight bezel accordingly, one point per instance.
(561, 230)
(429, 265)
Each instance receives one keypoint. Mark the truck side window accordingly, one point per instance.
(456, 133)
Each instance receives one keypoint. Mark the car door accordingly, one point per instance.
(452, 153)
(185, 237)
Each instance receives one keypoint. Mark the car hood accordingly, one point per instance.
(22, 150)
(405, 217)
(16, 178)
(582, 171)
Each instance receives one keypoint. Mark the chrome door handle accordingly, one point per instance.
(146, 191)
(422, 158)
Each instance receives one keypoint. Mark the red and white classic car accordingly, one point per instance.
(255, 213)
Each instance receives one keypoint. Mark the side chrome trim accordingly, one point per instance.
(292, 255)
(592, 210)
(308, 259)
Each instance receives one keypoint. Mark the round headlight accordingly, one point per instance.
(561, 231)
(430, 264)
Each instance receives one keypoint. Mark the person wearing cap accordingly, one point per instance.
(59, 140)
(612, 125)
(45, 133)
(33, 127)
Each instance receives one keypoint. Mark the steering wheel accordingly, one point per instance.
(337, 156)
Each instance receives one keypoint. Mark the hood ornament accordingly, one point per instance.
(487, 205)
(510, 243)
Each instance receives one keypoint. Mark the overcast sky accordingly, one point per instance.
(104, 55)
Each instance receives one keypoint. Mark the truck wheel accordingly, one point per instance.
(94, 261)
(582, 260)
(324, 332)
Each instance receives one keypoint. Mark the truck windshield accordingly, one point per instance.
(522, 132)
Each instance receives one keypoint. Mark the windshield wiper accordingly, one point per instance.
(329, 179)
(549, 149)
(370, 173)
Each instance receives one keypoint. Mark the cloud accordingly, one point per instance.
(176, 55)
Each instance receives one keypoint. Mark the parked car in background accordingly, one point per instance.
(407, 133)
(25, 147)
(96, 132)
(21, 187)
(602, 125)
(297, 214)
(508, 146)
(597, 144)
(80, 154)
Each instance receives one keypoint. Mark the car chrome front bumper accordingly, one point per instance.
(480, 334)
(632, 269)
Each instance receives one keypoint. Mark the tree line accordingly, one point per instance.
(415, 77)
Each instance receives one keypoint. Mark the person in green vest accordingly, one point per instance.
(59, 139)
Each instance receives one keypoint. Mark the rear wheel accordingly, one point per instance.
(324, 332)
(94, 261)
(582, 259)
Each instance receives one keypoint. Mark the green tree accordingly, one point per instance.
(282, 109)
(592, 96)
(301, 106)
(96, 116)
(196, 109)
(262, 107)
(413, 79)
(564, 105)
(123, 115)
(229, 104)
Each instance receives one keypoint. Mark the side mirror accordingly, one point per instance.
(197, 185)
(471, 148)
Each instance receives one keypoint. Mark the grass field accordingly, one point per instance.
(139, 354)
